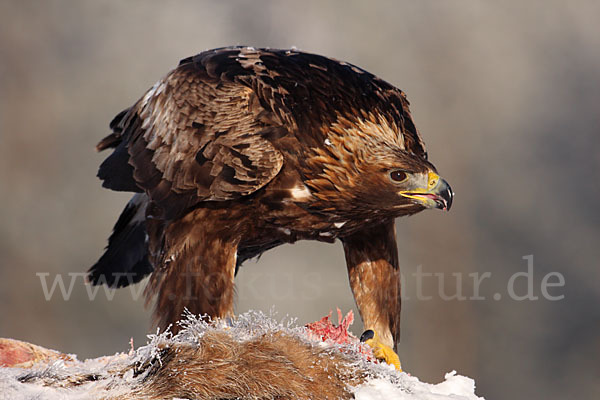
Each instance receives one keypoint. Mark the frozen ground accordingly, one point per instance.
(103, 378)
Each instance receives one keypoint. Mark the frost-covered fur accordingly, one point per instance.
(249, 357)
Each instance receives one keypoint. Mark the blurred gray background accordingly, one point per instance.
(506, 95)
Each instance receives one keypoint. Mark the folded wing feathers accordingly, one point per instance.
(188, 117)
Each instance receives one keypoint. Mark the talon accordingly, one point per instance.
(381, 351)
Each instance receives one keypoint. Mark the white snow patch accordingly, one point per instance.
(455, 387)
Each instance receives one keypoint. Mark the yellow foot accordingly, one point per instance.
(381, 351)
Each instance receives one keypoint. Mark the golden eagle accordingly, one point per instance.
(239, 150)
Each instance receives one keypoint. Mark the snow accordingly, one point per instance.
(13, 384)
(49, 381)
(408, 387)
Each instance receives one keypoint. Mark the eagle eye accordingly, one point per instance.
(398, 176)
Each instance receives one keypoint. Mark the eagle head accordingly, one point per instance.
(373, 166)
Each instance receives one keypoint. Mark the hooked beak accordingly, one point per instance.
(438, 193)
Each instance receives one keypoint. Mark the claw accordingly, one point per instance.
(381, 351)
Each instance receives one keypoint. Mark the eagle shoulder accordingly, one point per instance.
(197, 135)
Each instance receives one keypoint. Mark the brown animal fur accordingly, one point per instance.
(212, 365)
(275, 366)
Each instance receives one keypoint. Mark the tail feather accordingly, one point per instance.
(125, 260)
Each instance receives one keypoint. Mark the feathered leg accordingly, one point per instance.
(195, 265)
(372, 261)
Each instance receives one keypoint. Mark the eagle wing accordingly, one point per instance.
(196, 135)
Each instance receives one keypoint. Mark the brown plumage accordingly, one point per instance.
(239, 150)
